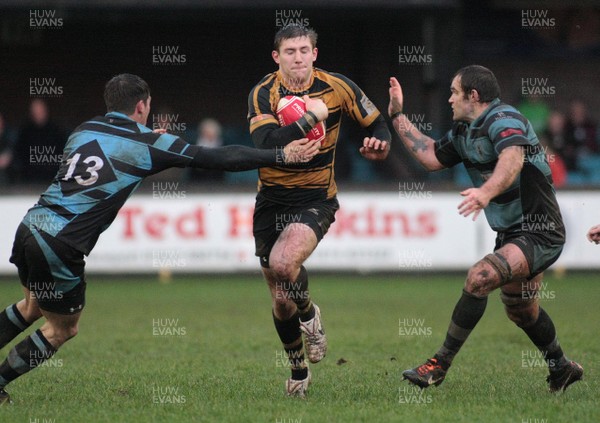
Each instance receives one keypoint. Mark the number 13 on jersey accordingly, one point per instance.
(95, 164)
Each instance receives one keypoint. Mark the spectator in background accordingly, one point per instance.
(7, 142)
(582, 137)
(556, 139)
(581, 131)
(209, 135)
(556, 163)
(38, 151)
(558, 168)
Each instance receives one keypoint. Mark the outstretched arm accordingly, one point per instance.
(421, 146)
(236, 158)
(272, 136)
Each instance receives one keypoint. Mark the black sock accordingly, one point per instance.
(25, 356)
(467, 313)
(12, 323)
(301, 297)
(543, 334)
(291, 338)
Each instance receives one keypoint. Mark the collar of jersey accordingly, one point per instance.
(119, 115)
(483, 115)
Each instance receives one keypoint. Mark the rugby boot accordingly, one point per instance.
(315, 339)
(297, 388)
(563, 377)
(430, 373)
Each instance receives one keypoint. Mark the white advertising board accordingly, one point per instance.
(372, 232)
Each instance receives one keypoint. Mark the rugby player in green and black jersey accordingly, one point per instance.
(513, 186)
(104, 161)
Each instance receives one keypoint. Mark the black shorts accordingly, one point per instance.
(52, 270)
(540, 251)
(270, 219)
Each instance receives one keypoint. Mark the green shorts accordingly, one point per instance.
(539, 250)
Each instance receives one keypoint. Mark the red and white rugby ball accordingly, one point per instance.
(291, 108)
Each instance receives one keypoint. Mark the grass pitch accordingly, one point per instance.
(204, 350)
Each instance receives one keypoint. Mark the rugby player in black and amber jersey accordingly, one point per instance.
(296, 205)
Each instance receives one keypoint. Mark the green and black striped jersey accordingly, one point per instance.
(529, 204)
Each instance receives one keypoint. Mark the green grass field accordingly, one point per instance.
(218, 358)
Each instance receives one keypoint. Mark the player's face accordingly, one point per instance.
(295, 59)
(462, 108)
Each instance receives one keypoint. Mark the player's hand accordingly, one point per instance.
(301, 151)
(593, 234)
(374, 149)
(159, 131)
(396, 97)
(317, 106)
(475, 201)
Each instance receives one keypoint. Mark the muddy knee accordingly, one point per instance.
(487, 274)
(523, 308)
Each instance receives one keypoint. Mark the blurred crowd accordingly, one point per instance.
(31, 153)
(570, 138)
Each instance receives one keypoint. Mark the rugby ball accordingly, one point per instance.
(291, 108)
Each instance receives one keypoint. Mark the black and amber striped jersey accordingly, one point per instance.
(313, 181)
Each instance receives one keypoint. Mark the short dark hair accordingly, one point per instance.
(480, 79)
(123, 92)
(294, 30)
